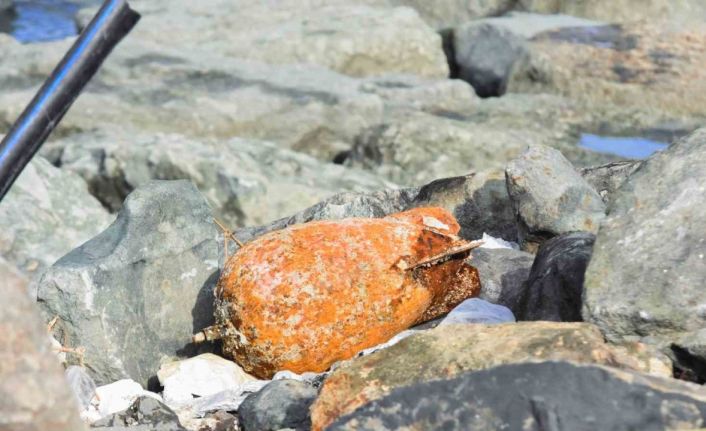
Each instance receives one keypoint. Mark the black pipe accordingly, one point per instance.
(113, 21)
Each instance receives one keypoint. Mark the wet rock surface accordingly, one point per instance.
(554, 288)
(546, 394)
(148, 277)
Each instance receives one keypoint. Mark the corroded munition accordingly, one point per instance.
(304, 297)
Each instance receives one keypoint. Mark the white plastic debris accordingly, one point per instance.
(307, 377)
(476, 310)
(492, 242)
(200, 376)
(228, 400)
(115, 397)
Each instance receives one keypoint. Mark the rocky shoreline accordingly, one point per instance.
(589, 314)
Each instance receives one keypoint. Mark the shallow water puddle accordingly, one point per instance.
(632, 147)
(40, 20)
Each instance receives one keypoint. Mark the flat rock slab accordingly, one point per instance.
(453, 349)
(534, 397)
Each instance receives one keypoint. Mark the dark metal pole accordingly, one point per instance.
(113, 21)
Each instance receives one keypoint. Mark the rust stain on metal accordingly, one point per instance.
(304, 297)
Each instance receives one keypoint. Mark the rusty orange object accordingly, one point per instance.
(304, 297)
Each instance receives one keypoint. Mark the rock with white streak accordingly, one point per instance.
(147, 280)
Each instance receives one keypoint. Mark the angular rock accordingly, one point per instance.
(81, 384)
(476, 310)
(486, 55)
(34, 393)
(503, 273)
(639, 67)
(247, 182)
(554, 288)
(479, 201)
(647, 271)
(546, 395)
(550, 197)
(280, 404)
(46, 214)
(450, 350)
(203, 375)
(145, 414)
(676, 12)
(607, 179)
(146, 280)
(354, 283)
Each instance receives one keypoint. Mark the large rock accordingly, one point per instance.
(281, 404)
(503, 273)
(451, 350)
(540, 396)
(147, 280)
(550, 197)
(528, 25)
(247, 182)
(6, 5)
(46, 214)
(641, 67)
(479, 201)
(33, 392)
(354, 38)
(675, 12)
(647, 271)
(554, 288)
(486, 54)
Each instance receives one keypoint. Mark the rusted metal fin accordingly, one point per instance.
(441, 257)
(211, 333)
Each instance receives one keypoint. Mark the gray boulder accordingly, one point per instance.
(147, 280)
(647, 272)
(503, 273)
(281, 404)
(550, 197)
(246, 182)
(555, 285)
(527, 25)
(486, 54)
(534, 397)
(145, 414)
(6, 5)
(479, 201)
(47, 213)
(33, 392)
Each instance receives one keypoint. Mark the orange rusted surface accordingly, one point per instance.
(304, 297)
